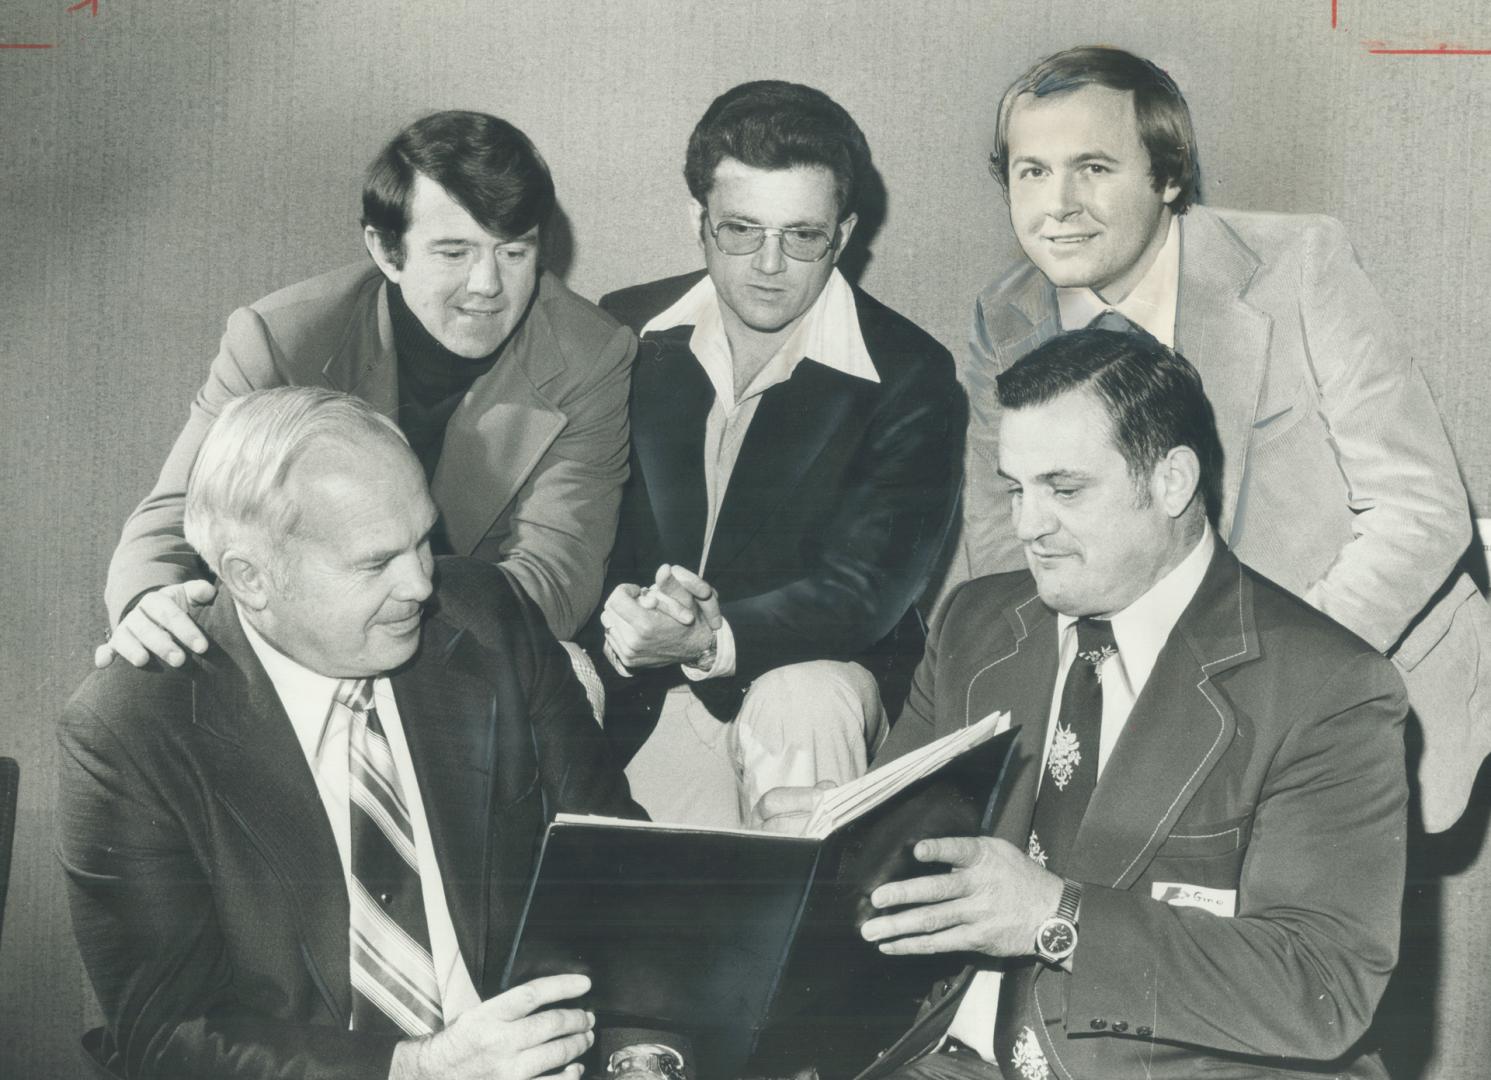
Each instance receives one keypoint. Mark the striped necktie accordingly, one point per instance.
(394, 988)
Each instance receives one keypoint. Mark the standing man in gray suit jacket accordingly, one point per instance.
(511, 389)
(1339, 482)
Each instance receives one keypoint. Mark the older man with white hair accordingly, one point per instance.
(305, 850)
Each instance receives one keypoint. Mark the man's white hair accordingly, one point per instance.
(237, 492)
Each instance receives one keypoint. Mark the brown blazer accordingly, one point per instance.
(1265, 756)
(534, 458)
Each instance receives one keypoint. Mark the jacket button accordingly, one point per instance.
(1098, 1023)
(1120, 1025)
(1144, 1032)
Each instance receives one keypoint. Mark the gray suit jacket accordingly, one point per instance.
(534, 458)
(1339, 481)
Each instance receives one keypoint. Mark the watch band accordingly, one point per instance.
(1071, 899)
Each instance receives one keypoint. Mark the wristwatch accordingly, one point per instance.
(1056, 938)
(705, 660)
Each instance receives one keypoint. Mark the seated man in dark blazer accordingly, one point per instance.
(1196, 866)
(510, 388)
(304, 851)
(794, 471)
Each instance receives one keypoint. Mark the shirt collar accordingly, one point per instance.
(828, 333)
(1142, 628)
(306, 695)
(1151, 303)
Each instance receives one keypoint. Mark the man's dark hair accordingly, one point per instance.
(485, 164)
(778, 125)
(1153, 396)
(1164, 119)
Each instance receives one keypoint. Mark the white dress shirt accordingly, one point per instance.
(1141, 630)
(323, 733)
(1150, 304)
(828, 333)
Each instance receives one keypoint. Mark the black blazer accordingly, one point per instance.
(207, 893)
(835, 515)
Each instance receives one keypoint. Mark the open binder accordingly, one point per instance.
(748, 941)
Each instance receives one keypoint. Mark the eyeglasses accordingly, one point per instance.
(740, 238)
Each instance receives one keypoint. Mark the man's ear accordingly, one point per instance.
(1170, 193)
(246, 577)
(390, 266)
(1177, 480)
(846, 230)
(696, 220)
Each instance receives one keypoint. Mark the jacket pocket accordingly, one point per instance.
(1206, 840)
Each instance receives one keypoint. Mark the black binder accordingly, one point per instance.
(748, 942)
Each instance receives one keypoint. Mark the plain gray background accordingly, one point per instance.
(167, 162)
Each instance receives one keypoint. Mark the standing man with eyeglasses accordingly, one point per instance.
(794, 471)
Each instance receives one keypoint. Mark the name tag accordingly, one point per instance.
(1221, 902)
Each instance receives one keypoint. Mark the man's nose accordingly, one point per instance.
(1065, 197)
(1033, 519)
(769, 258)
(416, 576)
(484, 278)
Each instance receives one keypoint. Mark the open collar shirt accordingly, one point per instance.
(1150, 304)
(828, 333)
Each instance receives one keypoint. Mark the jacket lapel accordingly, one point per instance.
(1019, 677)
(364, 362)
(1030, 317)
(499, 432)
(448, 710)
(671, 399)
(1179, 728)
(793, 423)
(260, 774)
(1225, 337)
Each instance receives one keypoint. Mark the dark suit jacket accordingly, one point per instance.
(1264, 755)
(835, 514)
(207, 893)
(531, 469)
(1339, 481)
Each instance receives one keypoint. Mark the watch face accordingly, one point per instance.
(1058, 937)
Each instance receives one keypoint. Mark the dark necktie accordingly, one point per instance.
(394, 988)
(1067, 783)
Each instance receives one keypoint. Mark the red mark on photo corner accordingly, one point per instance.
(91, 5)
(1443, 50)
(1382, 48)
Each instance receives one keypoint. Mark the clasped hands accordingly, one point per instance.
(992, 898)
(671, 621)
